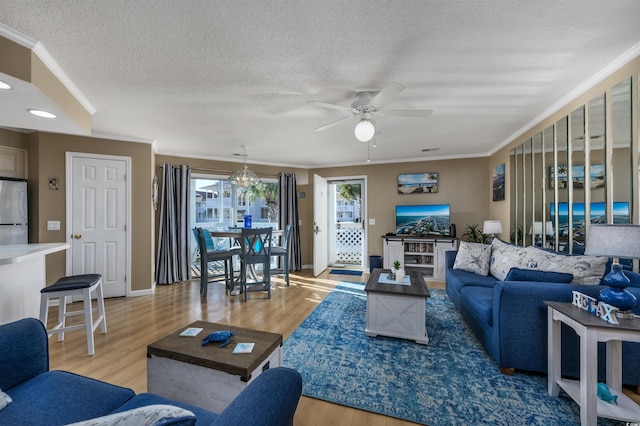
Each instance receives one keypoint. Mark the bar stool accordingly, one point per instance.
(80, 285)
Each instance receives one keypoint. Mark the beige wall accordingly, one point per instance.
(463, 183)
(46, 154)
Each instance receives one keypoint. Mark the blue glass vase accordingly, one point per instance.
(616, 294)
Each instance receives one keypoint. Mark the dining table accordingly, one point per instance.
(234, 234)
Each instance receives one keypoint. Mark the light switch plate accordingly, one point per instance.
(372, 221)
(53, 225)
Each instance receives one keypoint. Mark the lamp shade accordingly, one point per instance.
(492, 227)
(364, 130)
(548, 228)
(537, 228)
(614, 240)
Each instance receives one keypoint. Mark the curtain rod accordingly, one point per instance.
(198, 169)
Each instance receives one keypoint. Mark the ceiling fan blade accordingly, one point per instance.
(387, 93)
(405, 112)
(329, 106)
(333, 123)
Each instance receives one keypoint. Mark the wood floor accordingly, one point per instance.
(133, 323)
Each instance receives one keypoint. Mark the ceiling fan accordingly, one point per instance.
(369, 104)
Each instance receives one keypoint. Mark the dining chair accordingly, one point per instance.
(282, 252)
(255, 249)
(208, 253)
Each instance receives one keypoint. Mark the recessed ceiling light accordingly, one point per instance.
(4, 86)
(40, 113)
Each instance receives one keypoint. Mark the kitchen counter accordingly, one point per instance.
(21, 252)
(22, 276)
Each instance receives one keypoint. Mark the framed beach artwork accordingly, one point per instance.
(596, 176)
(498, 182)
(418, 183)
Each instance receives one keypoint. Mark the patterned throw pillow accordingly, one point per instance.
(149, 415)
(4, 400)
(587, 270)
(473, 257)
(504, 257)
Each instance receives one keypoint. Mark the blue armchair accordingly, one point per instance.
(40, 396)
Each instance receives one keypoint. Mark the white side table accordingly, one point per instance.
(591, 330)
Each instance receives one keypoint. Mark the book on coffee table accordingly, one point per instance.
(191, 332)
(243, 348)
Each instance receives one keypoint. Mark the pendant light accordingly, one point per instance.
(244, 178)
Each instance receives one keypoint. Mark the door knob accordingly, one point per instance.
(77, 236)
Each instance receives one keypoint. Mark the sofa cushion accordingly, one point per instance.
(60, 397)
(24, 352)
(149, 415)
(505, 256)
(517, 274)
(458, 279)
(479, 302)
(585, 269)
(473, 257)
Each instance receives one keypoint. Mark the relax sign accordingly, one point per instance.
(591, 305)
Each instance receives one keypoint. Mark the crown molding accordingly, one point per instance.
(53, 66)
(618, 63)
(49, 62)
(17, 37)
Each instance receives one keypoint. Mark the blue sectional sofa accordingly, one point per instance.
(510, 319)
(43, 397)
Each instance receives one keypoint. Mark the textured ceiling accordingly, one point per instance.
(202, 78)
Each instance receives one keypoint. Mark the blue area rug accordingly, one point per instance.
(345, 272)
(450, 381)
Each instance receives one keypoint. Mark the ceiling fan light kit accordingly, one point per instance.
(365, 130)
(368, 105)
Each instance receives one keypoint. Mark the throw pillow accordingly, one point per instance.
(517, 274)
(505, 256)
(4, 400)
(587, 270)
(473, 257)
(149, 415)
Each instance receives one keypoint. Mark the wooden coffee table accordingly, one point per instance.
(397, 310)
(209, 376)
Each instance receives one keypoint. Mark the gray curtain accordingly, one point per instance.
(174, 258)
(288, 201)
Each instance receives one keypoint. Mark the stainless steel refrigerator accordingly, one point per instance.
(14, 213)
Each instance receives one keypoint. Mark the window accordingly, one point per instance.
(217, 205)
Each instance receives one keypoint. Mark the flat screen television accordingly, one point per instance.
(620, 215)
(432, 219)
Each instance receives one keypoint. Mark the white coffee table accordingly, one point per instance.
(397, 310)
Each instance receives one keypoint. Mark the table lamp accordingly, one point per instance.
(492, 227)
(537, 230)
(616, 241)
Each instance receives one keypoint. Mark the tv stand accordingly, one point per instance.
(418, 253)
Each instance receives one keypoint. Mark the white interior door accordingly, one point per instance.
(320, 225)
(99, 212)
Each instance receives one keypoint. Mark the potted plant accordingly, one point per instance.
(394, 271)
(473, 234)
